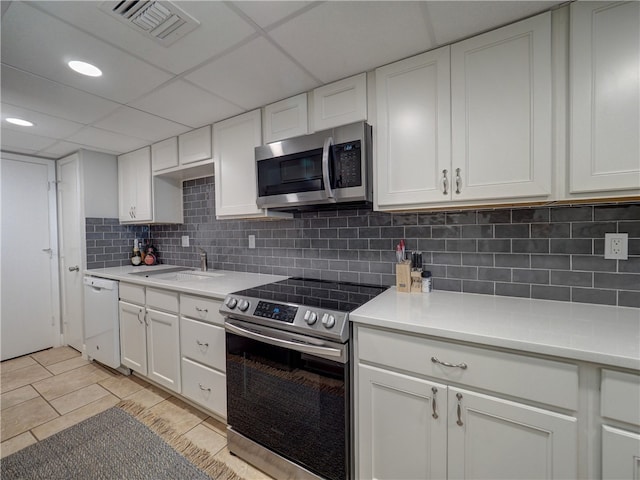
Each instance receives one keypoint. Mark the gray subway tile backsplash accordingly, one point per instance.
(552, 253)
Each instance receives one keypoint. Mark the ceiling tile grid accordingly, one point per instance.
(243, 55)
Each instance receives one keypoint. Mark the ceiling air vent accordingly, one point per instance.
(160, 20)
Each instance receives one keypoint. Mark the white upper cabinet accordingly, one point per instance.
(605, 97)
(164, 154)
(501, 113)
(340, 103)
(195, 145)
(143, 198)
(134, 186)
(286, 119)
(413, 130)
(235, 140)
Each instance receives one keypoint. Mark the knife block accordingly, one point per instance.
(416, 281)
(403, 276)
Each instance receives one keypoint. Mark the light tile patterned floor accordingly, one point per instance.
(48, 391)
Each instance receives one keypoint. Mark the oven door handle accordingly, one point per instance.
(299, 347)
(328, 143)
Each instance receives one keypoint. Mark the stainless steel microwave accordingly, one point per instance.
(324, 168)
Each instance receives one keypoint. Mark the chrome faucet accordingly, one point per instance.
(203, 260)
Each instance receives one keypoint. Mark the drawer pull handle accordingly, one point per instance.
(459, 409)
(139, 319)
(200, 344)
(445, 183)
(198, 309)
(206, 389)
(433, 402)
(463, 365)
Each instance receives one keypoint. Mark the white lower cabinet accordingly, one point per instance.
(620, 410)
(149, 336)
(402, 426)
(415, 418)
(202, 346)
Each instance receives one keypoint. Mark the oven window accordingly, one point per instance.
(292, 403)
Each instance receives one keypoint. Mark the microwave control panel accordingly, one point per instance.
(347, 164)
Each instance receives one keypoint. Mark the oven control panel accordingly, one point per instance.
(276, 311)
(330, 324)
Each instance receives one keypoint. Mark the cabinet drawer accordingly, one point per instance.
(205, 386)
(620, 396)
(531, 378)
(201, 308)
(132, 293)
(203, 342)
(162, 300)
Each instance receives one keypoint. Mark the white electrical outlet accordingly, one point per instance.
(185, 240)
(252, 241)
(616, 246)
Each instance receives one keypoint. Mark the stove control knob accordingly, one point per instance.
(328, 320)
(231, 302)
(310, 317)
(243, 305)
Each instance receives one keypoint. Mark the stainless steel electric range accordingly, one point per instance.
(288, 376)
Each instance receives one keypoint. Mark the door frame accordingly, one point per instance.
(57, 339)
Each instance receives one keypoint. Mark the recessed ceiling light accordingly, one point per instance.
(19, 121)
(85, 68)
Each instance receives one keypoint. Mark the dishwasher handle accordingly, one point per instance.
(100, 283)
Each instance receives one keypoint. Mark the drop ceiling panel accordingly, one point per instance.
(253, 75)
(45, 125)
(220, 28)
(184, 103)
(106, 140)
(132, 122)
(453, 21)
(62, 149)
(268, 13)
(23, 142)
(42, 95)
(27, 45)
(339, 39)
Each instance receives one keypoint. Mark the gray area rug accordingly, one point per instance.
(115, 445)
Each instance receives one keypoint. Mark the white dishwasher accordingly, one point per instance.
(101, 321)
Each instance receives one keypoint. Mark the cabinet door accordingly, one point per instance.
(605, 97)
(286, 119)
(340, 103)
(620, 454)
(499, 439)
(401, 426)
(235, 165)
(134, 186)
(195, 145)
(414, 130)
(501, 112)
(163, 349)
(164, 154)
(133, 337)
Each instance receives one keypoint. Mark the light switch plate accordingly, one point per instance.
(185, 240)
(616, 246)
(252, 241)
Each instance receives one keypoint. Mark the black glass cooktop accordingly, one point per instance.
(342, 296)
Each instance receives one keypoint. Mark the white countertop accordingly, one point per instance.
(216, 286)
(593, 333)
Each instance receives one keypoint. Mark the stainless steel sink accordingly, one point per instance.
(179, 274)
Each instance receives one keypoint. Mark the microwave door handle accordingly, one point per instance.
(328, 143)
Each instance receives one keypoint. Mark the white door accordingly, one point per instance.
(71, 228)
(620, 454)
(133, 337)
(402, 426)
(491, 438)
(501, 112)
(163, 348)
(30, 319)
(605, 96)
(414, 131)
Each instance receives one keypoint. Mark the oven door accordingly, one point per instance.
(289, 393)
